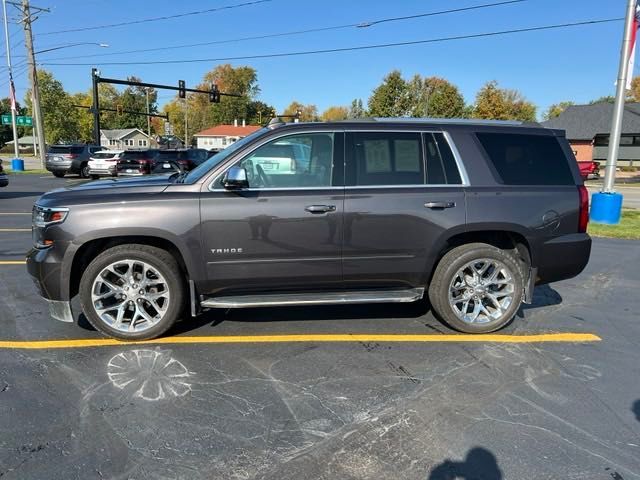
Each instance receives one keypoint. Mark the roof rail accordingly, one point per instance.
(461, 121)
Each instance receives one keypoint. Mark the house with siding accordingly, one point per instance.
(588, 128)
(126, 139)
(222, 136)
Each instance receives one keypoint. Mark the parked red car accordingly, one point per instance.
(589, 169)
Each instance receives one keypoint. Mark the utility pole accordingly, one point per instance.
(606, 206)
(33, 79)
(11, 85)
(148, 112)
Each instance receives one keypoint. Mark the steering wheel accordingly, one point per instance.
(263, 176)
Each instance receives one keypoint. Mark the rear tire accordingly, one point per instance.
(133, 292)
(84, 170)
(58, 174)
(471, 300)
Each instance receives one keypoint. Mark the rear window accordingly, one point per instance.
(527, 159)
(103, 155)
(65, 149)
(133, 155)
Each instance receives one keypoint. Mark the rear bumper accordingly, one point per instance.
(563, 257)
(58, 166)
(111, 171)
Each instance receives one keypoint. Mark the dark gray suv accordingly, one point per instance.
(63, 159)
(472, 214)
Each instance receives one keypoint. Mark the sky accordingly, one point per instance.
(577, 63)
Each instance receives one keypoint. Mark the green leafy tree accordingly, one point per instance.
(308, 113)
(134, 99)
(556, 109)
(435, 97)
(494, 103)
(58, 113)
(605, 99)
(356, 110)
(335, 113)
(390, 99)
(259, 113)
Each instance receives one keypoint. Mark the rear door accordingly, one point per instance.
(284, 232)
(403, 190)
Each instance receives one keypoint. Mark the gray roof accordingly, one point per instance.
(117, 134)
(583, 122)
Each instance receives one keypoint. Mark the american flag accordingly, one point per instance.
(632, 54)
(12, 95)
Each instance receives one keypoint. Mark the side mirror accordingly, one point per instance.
(235, 178)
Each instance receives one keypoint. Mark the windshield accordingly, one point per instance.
(104, 155)
(202, 169)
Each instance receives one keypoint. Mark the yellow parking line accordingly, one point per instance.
(105, 342)
(15, 229)
(13, 262)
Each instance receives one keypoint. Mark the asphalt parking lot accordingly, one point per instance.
(343, 399)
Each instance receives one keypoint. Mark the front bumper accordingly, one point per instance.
(563, 257)
(110, 171)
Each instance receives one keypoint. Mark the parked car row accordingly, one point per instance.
(95, 161)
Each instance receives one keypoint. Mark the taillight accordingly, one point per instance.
(583, 216)
(72, 155)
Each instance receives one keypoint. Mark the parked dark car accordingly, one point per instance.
(472, 214)
(137, 162)
(187, 158)
(64, 159)
(4, 180)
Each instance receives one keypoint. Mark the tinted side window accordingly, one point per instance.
(527, 159)
(385, 158)
(441, 164)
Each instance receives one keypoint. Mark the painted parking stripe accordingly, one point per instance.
(5, 230)
(331, 338)
(15, 213)
(13, 262)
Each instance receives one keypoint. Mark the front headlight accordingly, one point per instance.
(45, 216)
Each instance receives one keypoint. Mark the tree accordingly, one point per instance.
(259, 113)
(494, 103)
(434, 97)
(6, 131)
(556, 109)
(605, 99)
(634, 93)
(390, 98)
(134, 99)
(335, 113)
(58, 113)
(308, 113)
(356, 110)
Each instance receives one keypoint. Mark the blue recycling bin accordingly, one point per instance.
(606, 208)
(17, 165)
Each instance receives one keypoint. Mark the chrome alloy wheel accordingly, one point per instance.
(481, 291)
(130, 295)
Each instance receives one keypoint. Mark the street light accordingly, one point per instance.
(103, 45)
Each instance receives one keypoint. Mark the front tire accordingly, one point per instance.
(477, 288)
(84, 170)
(133, 292)
(58, 174)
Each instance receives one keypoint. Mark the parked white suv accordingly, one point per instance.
(104, 163)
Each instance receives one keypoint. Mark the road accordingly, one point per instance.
(631, 195)
(426, 409)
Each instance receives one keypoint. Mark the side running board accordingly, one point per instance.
(327, 298)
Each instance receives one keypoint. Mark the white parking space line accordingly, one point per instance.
(14, 230)
(15, 213)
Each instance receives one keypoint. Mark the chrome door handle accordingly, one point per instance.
(440, 204)
(320, 208)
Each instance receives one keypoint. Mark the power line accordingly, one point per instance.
(299, 32)
(156, 19)
(349, 49)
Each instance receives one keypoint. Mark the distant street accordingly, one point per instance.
(631, 194)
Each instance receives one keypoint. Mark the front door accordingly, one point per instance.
(284, 232)
(403, 191)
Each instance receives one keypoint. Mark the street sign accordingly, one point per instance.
(22, 121)
(168, 128)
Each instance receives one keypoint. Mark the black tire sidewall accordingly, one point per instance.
(451, 263)
(166, 266)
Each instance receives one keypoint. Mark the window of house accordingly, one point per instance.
(224, 140)
(142, 143)
(113, 142)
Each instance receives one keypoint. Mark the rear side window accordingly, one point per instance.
(386, 158)
(441, 164)
(65, 149)
(527, 159)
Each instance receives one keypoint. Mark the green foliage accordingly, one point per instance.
(390, 99)
(556, 110)
(435, 97)
(6, 131)
(605, 99)
(494, 103)
(356, 110)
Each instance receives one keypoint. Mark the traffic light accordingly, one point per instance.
(119, 109)
(214, 94)
(182, 93)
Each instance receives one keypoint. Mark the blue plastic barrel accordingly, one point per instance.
(17, 165)
(606, 208)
